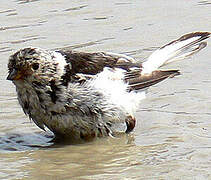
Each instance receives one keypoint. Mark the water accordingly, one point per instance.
(172, 139)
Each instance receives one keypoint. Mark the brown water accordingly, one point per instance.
(172, 139)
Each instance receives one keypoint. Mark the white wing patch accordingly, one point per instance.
(60, 60)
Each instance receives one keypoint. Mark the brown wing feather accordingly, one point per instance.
(93, 63)
(138, 81)
(88, 63)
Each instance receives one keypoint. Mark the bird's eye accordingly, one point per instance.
(35, 66)
(27, 58)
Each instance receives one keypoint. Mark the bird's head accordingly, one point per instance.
(35, 64)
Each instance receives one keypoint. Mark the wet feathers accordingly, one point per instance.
(81, 96)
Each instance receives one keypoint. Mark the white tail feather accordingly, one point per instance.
(179, 49)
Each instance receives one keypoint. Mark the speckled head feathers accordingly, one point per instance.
(35, 62)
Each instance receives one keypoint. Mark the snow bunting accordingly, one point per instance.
(81, 96)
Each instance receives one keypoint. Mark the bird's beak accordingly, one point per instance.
(15, 75)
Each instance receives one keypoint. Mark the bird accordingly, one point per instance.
(81, 96)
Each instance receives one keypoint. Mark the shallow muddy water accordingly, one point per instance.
(172, 139)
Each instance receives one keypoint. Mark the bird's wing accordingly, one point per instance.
(137, 75)
(85, 65)
(94, 63)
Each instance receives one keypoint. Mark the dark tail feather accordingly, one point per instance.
(202, 36)
(137, 82)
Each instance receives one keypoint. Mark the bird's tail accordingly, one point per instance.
(178, 49)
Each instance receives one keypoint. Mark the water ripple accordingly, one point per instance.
(21, 26)
(22, 40)
(8, 11)
(173, 112)
(76, 8)
(26, 1)
(91, 43)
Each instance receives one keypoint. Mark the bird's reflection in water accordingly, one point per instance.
(40, 140)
